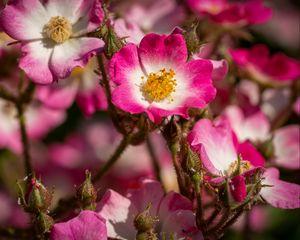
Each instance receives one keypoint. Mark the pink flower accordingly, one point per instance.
(224, 12)
(216, 146)
(157, 79)
(159, 16)
(53, 35)
(220, 67)
(83, 85)
(174, 212)
(279, 194)
(88, 225)
(286, 143)
(130, 31)
(277, 69)
(219, 152)
(40, 120)
(254, 127)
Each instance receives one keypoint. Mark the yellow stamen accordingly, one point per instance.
(159, 86)
(244, 166)
(59, 29)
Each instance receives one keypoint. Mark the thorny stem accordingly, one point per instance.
(179, 172)
(212, 217)
(229, 222)
(199, 214)
(155, 161)
(105, 81)
(120, 149)
(223, 219)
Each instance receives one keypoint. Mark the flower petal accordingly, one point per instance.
(88, 225)
(238, 188)
(249, 153)
(73, 53)
(286, 146)
(172, 202)
(149, 192)
(161, 50)
(119, 213)
(24, 19)
(281, 194)
(35, 62)
(181, 224)
(214, 144)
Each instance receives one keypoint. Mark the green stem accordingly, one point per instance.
(155, 161)
(178, 169)
(221, 222)
(229, 222)
(199, 213)
(213, 216)
(107, 166)
(105, 81)
(25, 142)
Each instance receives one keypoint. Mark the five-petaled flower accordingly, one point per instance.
(157, 79)
(53, 35)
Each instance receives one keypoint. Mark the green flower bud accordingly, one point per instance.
(144, 222)
(39, 198)
(86, 193)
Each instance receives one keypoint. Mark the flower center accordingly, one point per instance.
(243, 167)
(59, 29)
(159, 86)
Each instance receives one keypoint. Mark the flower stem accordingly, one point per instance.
(178, 169)
(197, 179)
(107, 166)
(24, 137)
(155, 162)
(213, 216)
(105, 81)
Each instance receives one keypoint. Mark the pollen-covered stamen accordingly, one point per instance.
(59, 29)
(241, 167)
(159, 86)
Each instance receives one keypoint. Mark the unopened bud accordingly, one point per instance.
(86, 193)
(146, 236)
(39, 198)
(113, 43)
(144, 222)
(193, 163)
(192, 39)
(45, 222)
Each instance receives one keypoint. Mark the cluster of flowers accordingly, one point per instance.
(217, 120)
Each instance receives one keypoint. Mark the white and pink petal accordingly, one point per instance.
(278, 193)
